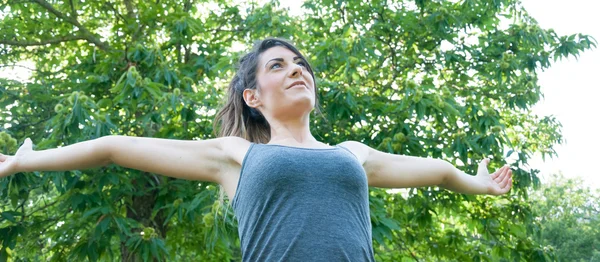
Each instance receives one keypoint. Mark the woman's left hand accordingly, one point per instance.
(497, 183)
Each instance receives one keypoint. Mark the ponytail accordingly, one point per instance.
(236, 118)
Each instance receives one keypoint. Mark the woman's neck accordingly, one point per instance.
(292, 133)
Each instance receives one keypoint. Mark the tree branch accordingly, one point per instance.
(112, 7)
(41, 72)
(73, 12)
(186, 9)
(42, 208)
(132, 16)
(129, 8)
(20, 2)
(21, 66)
(45, 42)
(84, 31)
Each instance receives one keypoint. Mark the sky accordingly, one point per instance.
(571, 88)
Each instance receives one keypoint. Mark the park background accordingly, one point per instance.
(473, 227)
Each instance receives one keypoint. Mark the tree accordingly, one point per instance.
(442, 79)
(569, 214)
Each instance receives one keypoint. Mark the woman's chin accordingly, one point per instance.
(299, 99)
(298, 106)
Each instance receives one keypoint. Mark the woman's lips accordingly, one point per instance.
(297, 83)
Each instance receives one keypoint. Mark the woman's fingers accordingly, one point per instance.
(2, 157)
(498, 175)
(507, 179)
(503, 179)
(505, 185)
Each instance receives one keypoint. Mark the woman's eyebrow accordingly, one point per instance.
(278, 59)
(274, 59)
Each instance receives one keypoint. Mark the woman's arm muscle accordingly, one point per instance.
(194, 160)
(399, 171)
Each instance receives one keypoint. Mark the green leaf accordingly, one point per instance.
(10, 215)
(441, 72)
(91, 212)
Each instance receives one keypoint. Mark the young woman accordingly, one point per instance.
(295, 198)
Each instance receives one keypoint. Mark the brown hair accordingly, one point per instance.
(236, 118)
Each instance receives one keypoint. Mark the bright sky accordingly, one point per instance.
(571, 88)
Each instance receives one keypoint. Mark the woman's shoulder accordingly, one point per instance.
(235, 147)
(234, 141)
(360, 150)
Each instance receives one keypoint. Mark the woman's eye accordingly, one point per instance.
(301, 63)
(276, 65)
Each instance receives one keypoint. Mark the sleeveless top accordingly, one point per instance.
(301, 204)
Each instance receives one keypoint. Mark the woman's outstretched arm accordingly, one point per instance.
(194, 160)
(399, 171)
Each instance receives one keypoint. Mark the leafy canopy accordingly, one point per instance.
(445, 79)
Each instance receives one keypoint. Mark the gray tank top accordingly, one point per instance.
(299, 204)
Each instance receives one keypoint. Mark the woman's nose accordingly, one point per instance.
(296, 70)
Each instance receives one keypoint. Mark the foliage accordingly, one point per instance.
(445, 79)
(569, 214)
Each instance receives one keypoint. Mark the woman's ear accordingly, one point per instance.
(252, 98)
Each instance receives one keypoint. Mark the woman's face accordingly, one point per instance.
(286, 89)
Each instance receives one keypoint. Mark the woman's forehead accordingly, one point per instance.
(277, 52)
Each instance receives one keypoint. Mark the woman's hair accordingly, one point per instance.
(236, 118)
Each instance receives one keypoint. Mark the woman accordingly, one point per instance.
(295, 198)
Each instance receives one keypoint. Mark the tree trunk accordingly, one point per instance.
(141, 210)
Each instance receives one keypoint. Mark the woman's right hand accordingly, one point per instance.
(8, 164)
